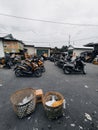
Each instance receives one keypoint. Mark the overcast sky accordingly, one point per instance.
(46, 33)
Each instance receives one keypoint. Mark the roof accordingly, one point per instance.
(10, 37)
(28, 45)
(80, 47)
(7, 37)
(91, 44)
(43, 47)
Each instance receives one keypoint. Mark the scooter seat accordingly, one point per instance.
(70, 64)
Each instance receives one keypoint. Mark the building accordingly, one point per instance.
(42, 50)
(9, 44)
(95, 46)
(30, 49)
(12, 45)
(77, 50)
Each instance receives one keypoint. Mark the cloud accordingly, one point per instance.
(68, 11)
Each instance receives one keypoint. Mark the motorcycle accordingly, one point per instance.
(8, 64)
(60, 63)
(27, 69)
(40, 64)
(78, 66)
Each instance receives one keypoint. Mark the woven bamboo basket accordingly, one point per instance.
(24, 109)
(53, 112)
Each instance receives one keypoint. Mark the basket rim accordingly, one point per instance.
(19, 91)
(50, 93)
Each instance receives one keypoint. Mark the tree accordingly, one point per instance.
(64, 49)
(56, 50)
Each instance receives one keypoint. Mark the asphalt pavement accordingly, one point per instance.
(80, 92)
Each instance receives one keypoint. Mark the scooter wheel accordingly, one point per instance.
(43, 69)
(84, 70)
(38, 73)
(56, 63)
(17, 72)
(66, 70)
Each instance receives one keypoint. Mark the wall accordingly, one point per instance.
(78, 51)
(21, 46)
(12, 46)
(1, 50)
(30, 50)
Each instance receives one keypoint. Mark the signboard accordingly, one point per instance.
(1, 50)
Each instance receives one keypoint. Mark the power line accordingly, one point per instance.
(47, 21)
(3, 33)
(61, 41)
(58, 41)
(45, 41)
(85, 38)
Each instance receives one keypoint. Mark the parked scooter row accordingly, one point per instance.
(8, 61)
(69, 66)
(30, 68)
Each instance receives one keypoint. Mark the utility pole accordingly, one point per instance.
(73, 43)
(69, 41)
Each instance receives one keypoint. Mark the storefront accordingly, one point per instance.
(43, 51)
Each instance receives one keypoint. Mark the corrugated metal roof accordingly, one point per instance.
(91, 44)
(28, 45)
(80, 47)
(10, 38)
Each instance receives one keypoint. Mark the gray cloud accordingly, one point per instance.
(68, 11)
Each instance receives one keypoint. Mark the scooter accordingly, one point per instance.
(8, 64)
(40, 64)
(78, 66)
(27, 69)
(61, 63)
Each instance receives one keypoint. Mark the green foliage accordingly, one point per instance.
(64, 49)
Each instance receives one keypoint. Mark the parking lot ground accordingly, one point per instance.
(80, 92)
